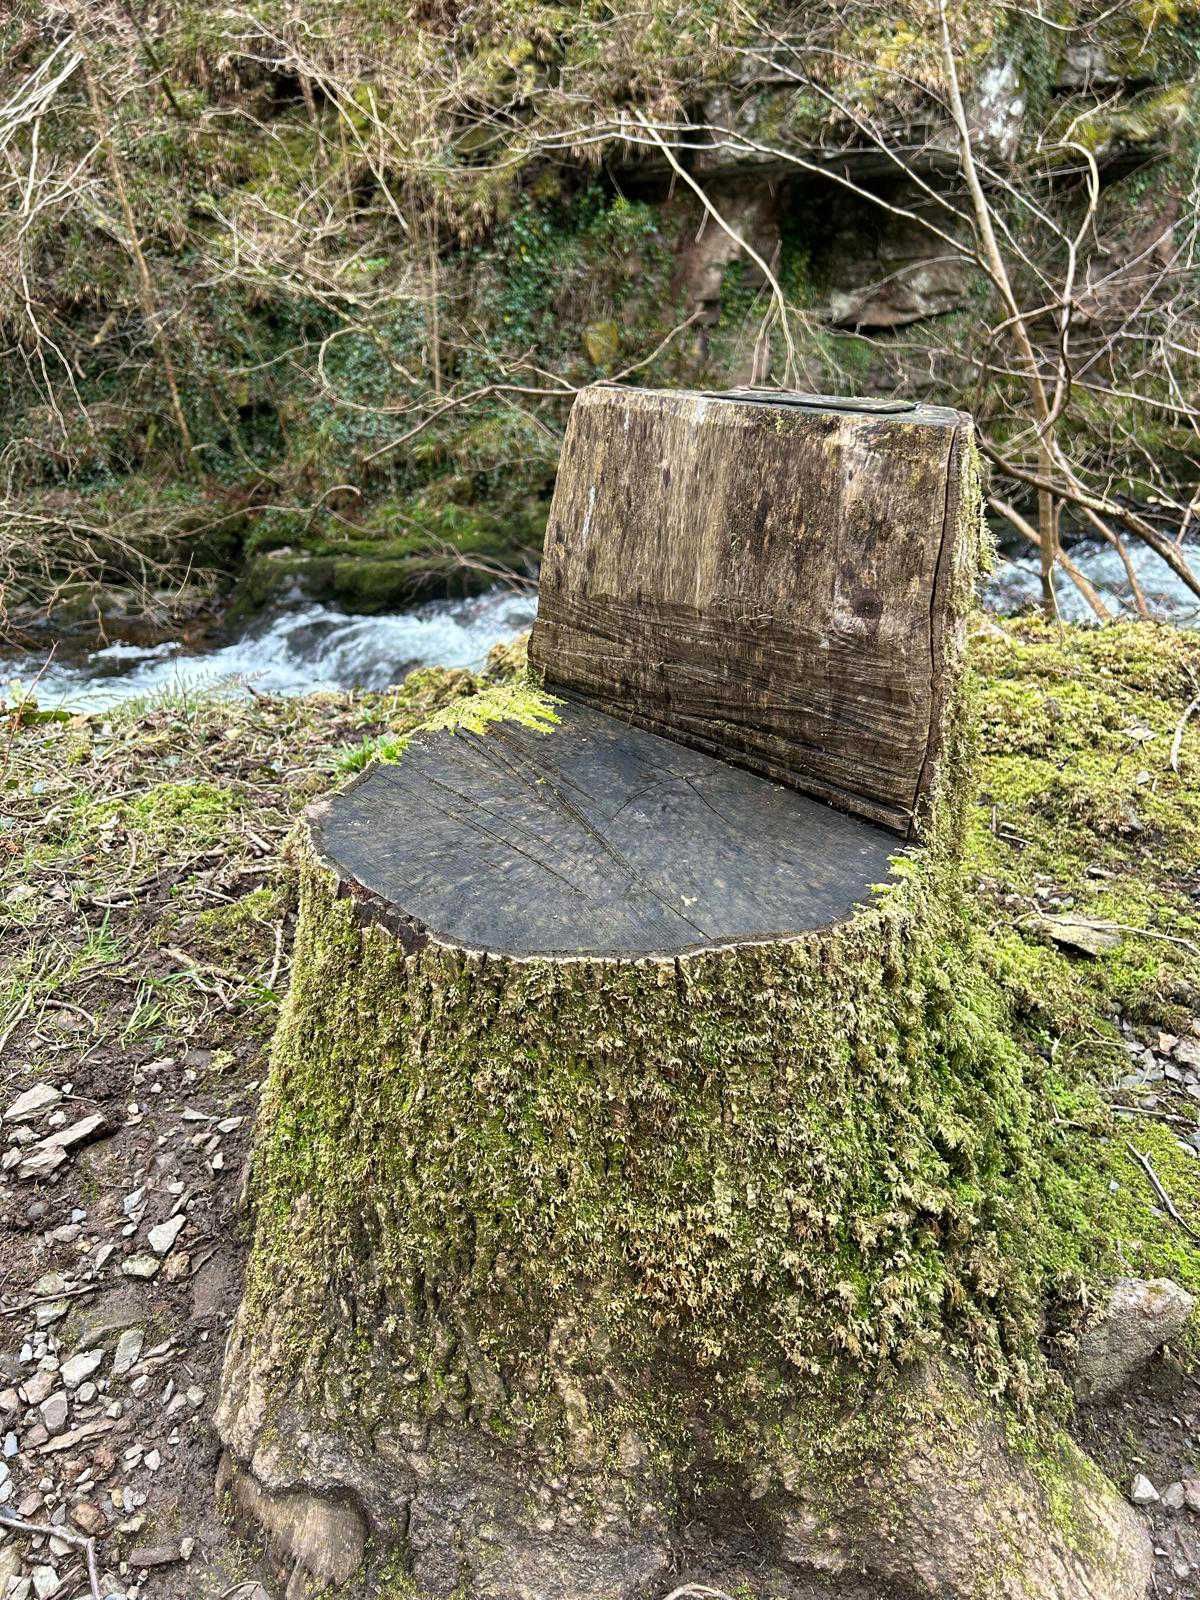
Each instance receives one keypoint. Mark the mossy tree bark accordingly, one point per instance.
(625, 1211)
(560, 1261)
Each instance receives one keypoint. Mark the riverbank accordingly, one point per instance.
(145, 930)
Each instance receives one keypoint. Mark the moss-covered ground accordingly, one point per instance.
(1090, 809)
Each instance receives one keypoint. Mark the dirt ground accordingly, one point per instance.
(145, 930)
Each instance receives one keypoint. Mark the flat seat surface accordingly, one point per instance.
(594, 838)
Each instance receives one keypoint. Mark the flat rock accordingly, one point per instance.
(76, 1437)
(42, 1160)
(1080, 934)
(79, 1367)
(155, 1555)
(34, 1102)
(81, 1132)
(163, 1237)
(109, 1315)
(141, 1265)
(1139, 1317)
(45, 1582)
(129, 1348)
(10, 1566)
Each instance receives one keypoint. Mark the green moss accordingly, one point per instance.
(435, 698)
(1082, 809)
(521, 702)
(1148, 121)
(167, 812)
(243, 925)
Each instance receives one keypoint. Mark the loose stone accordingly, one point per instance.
(165, 1234)
(140, 1266)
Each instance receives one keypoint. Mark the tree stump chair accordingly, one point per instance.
(637, 1183)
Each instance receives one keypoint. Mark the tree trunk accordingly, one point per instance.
(570, 1274)
(645, 1161)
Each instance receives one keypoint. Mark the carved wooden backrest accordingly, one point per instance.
(778, 579)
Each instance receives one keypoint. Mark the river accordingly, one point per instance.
(306, 647)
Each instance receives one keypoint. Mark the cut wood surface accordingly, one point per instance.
(593, 838)
(769, 578)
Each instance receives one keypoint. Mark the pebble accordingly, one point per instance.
(129, 1348)
(1142, 1492)
(45, 1582)
(1191, 1493)
(54, 1412)
(140, 1266)
(88, 1518)
(178, 1266)
(81, 1366)
(163, 1237)
(1173, 1497)
(38, 1388)
(155, 1555)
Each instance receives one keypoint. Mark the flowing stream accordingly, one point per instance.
(295, 650)
(306, 647)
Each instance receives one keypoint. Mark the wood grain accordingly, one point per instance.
(595, 838)
(762, 580)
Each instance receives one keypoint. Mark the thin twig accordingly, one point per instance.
(79, 1540)
(49, 1299)
(1168, 1203)
(698, 1591)
(1162, 1116)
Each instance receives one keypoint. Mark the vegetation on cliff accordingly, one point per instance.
(303, 292)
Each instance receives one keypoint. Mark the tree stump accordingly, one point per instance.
(644, 1182)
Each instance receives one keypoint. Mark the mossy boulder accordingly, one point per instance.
(392, 560)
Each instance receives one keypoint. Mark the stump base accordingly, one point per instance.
(940, 1509)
